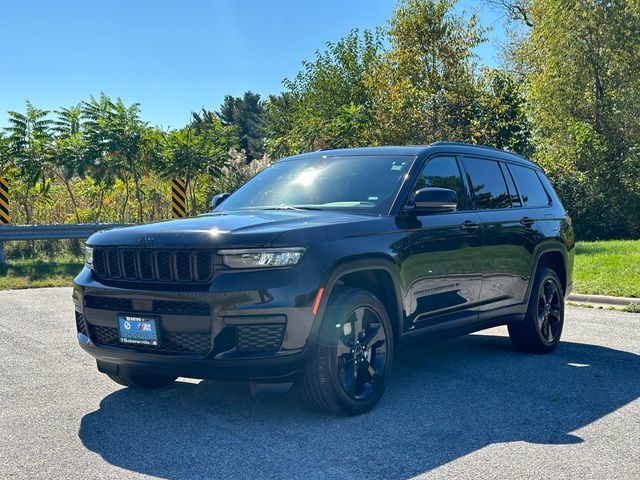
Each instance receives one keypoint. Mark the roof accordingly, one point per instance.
(436, 147)
(387, 150)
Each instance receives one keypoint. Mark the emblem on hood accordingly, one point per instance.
(146, 241)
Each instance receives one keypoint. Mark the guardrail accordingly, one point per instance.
(10, 233)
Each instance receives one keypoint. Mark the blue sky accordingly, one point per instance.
(173, 57)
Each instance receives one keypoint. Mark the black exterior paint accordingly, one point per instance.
(452, 273)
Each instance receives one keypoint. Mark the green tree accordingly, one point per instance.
(501, 120)
(281, 138)
(30, 149)
(585, 95)
(426, 82)
(114, 133)
(126, 136)
(196, 154)
(97, 157)
(246, 115)
(5, 154)
(327, 105)
(68, 152)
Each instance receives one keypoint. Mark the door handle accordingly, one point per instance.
(526, 221)
(469, 225)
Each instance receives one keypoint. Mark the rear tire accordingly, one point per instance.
(347, 373)
(541, 328)
(143, 382)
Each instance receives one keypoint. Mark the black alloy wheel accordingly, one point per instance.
(349, 368)
(540, 329)
(361, 352)
(549, 310)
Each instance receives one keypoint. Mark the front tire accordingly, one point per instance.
(143, 382)
(348, 371)
(541, 328)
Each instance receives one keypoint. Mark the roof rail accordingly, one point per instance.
(463, 144)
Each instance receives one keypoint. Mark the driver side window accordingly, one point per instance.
(443, 172)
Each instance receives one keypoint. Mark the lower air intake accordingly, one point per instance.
(259, 338)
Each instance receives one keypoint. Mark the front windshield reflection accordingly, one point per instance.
(353, 182)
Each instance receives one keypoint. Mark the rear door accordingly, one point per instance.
(443, 274)
(510, 234)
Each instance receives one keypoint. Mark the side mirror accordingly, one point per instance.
(434, 199)
(218, 199)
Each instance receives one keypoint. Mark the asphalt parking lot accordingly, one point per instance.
(465, 408)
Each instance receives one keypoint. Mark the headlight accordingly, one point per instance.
(262, 257)
(88, 256)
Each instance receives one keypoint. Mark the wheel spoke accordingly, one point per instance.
(378, 362)
(358, 379)
(371, 371)
(555, 313)
(373, 334)
(549, 334)
(553, 290)
(357, 323)
(349, 380)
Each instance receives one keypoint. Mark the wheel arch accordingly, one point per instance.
(554, 256)
(378, 275)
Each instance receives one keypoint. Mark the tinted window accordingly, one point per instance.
(531, 189)
(443, 172)
(487, 184)
(513, 193)
(549, 188)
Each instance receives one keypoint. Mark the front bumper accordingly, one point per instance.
(118, 361)
(248, 325)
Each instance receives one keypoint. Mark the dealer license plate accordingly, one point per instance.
(136, 330)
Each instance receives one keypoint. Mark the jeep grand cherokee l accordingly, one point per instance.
(323, 264)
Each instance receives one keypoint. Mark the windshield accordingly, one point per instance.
(352, 182)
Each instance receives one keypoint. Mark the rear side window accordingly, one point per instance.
(550, 191)
(530, 187)
(443, 172)
(487, 184)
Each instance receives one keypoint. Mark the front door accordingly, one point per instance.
(443, 273)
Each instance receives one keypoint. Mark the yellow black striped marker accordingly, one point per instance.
(4, 201)
(178, 198)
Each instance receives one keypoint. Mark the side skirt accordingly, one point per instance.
(489, 319)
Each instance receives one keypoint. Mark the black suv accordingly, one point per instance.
(323, 264)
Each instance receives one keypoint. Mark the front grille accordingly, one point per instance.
(81, 325)
(153, 265)
(170, 342)
(181, 308)
(161, 307)
(108, 303)
(259, 338)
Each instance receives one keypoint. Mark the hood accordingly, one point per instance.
(224, 229)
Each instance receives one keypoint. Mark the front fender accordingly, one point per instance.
(359, 263)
